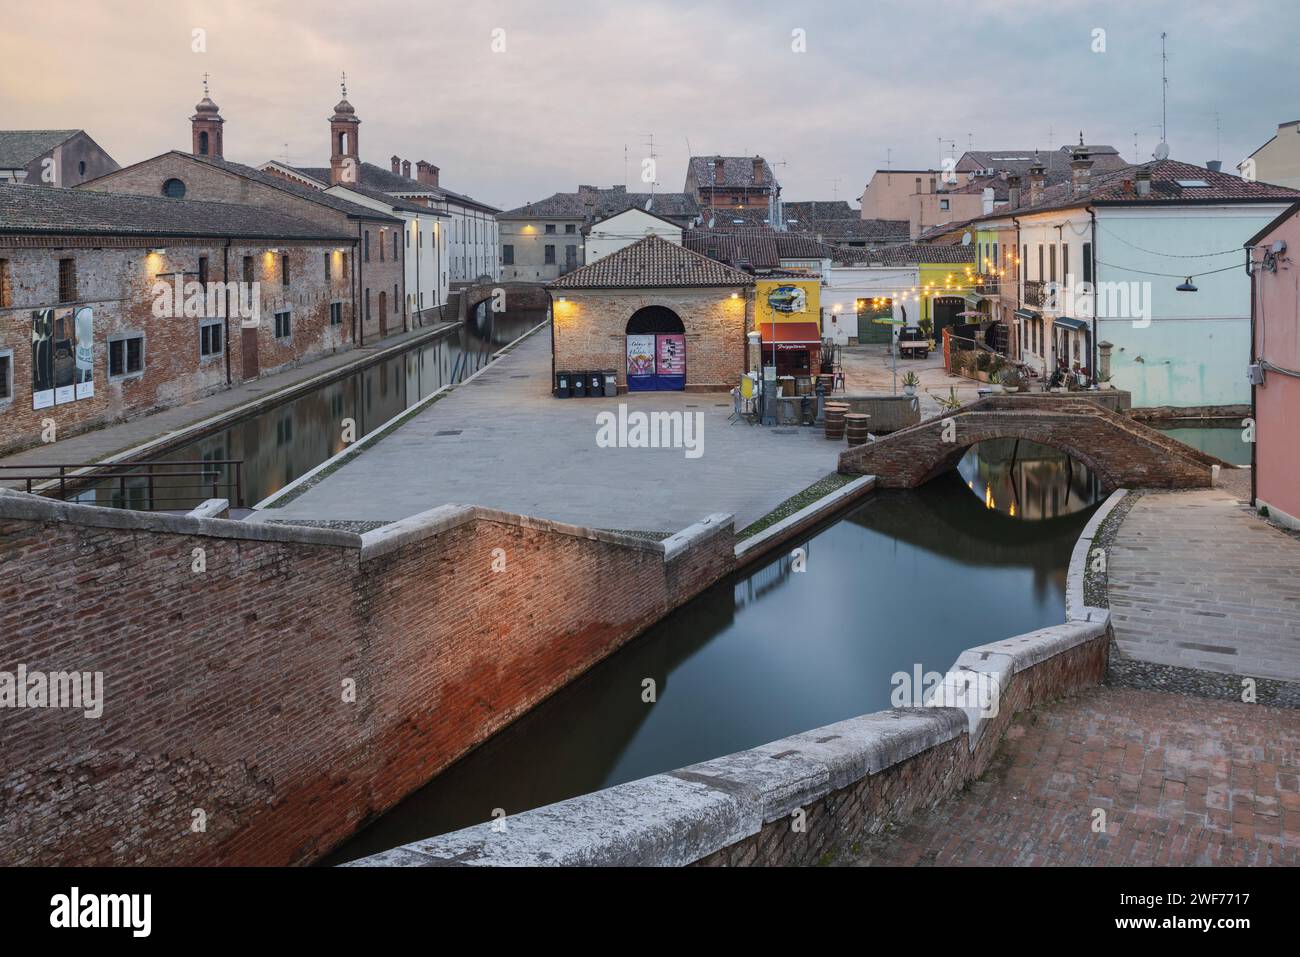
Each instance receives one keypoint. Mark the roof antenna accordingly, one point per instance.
(1164, 92)
(343, 84)
(205, 84)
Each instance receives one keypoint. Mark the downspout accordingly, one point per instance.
(357, 304)
(1092, 215)
(419, 236)
(225, 325)
(1254, 313)
(406, 317)
(1020, 283)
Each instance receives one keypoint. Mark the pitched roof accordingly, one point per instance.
(590, 204)
(1103, 157)
(759, 246)
(652, 262)
(906, 255)
(386, 181)
(395, 201)
(737, 171)
(19, 147)
(48, 209)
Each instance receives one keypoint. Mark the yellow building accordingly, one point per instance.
(787, 312)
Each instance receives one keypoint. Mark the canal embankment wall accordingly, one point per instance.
(810, 797)
(267, 689)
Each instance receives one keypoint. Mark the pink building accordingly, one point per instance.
(1275, 348)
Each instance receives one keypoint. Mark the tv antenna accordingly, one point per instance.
(1164, 91)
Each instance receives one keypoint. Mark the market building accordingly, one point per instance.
(662, 317)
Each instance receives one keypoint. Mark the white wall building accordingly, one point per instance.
(612, 233)
(844, 287)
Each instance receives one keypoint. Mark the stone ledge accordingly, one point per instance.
(1076, 607)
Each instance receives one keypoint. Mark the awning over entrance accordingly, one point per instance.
(1069, 322)
(791, 334)
(1026, 314)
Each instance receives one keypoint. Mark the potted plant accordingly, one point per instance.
(951, 403)
(910, 382)
(1011, 379)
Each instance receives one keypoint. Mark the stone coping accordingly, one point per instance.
(1075, 605)
(758, 545)
(682, 816)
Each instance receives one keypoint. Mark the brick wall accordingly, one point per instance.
(225, 689)
(590, 331)
(116, 277)
(206, 182)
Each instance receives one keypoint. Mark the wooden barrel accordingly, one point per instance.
(855, 426)
(833, 421)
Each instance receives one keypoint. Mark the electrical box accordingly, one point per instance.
(1255, 374)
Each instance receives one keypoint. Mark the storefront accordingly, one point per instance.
(788, 311)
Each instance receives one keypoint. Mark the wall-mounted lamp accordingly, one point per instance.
(158, 252)
(562, 299)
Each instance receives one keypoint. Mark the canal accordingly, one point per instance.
(278, 444)
(906, 578)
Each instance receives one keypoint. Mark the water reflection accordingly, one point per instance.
(288, 440)
(909, 577)
(1226, 442)
(1025, 479)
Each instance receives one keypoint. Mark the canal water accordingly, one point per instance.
(905, 579)
(279, 444)
(1213, 436)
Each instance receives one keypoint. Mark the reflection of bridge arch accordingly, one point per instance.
(513, 295)
(1120, 451)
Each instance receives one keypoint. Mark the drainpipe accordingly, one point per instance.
(1020, 279)
(225, 325)
(406, 318)
(357, 305)
(418, 237)
(1254, 465)
(1092, 215)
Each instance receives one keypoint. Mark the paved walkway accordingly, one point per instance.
(869, 370)
(1198, 580)
(503, 441)
(1182, 781)
(145, 430)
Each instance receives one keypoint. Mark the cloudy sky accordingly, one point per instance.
(580, 85)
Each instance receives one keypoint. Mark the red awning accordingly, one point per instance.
(791, 333)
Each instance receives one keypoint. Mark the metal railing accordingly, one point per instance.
(142, 485)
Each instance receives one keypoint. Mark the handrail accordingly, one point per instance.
(79, 476)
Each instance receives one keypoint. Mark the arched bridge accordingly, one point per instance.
(514, 296)
(1121, 452)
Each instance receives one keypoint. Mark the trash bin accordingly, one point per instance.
(611, 382)
(579, 385)
(595, 384)
(563, 385)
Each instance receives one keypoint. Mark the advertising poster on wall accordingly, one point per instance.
(787, 300)
(671, 366)
(85, 353)
(65, 359)
(42, 358)
(640, 363)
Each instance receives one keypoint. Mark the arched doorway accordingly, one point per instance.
(656, 350)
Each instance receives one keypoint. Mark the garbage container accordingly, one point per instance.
(595, 384)
(563, 385)
(611, 382)
(579, 385)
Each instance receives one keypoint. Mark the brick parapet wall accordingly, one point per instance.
(224, 689)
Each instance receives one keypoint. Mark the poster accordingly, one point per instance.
(65, 361)
(640, 356)
(672, 355)
(787, 300)
(85, 353)
(42, 358)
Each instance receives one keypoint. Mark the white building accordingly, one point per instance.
(612, 233)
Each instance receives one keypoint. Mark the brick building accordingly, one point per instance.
(90, 328)
(377, 300)
(738, 182)
(664, 317)
(51, 157)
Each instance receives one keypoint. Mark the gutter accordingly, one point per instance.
(1254, 470)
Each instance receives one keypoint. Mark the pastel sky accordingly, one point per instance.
(580, 82)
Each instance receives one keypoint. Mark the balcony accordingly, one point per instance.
(1035, 292)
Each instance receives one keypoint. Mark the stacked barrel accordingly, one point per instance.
(833, 418)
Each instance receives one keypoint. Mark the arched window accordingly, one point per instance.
(657, 320)
(174, 188)
(203, 143)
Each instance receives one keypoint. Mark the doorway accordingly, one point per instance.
(656, 351)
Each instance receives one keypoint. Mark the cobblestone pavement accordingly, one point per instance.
(1181, 781)
(868, 370)
(1198, 580)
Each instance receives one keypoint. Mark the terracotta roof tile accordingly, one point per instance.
(652, 262)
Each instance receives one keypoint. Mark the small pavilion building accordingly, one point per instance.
(663, 317)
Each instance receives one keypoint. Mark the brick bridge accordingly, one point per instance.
(1121, 452)
(518, 296)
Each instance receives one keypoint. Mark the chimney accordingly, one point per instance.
(421, 172)
(1081, 169)
(1037, 180)
(1214, 166)
(1142, 181)
(719, 177)
(406, 169)
(758, 170)
(397, 166)
(1013, 191)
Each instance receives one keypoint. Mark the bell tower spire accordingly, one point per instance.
(345, 160)
(205, 126)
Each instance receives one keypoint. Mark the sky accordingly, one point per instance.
(517, 100)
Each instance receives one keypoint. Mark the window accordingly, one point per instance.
(943, 204)
(367, 250)
(329, 268)
(343, 265)
(67, 280)
(203, 143)
(394, 244)
(570, 228)
(396, 296)
(282, 325)
(550, 255)
(1051, 261)
(336, 313)
(367, 319)
(381, 245)
(1041, 274)
(1087, 262)
(1065, 261)
(248, 269)
(209, 338)
(284, 270)
(508, 255)
(6, 375)
(125, 356)
(408, 237)
(550, 228)
(174, 189)
(570, 257)
(203, 272)
(6, 285)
